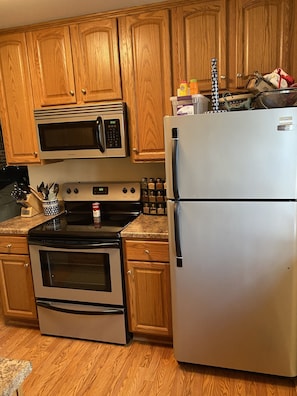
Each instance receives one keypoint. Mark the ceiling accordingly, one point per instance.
(15, 13)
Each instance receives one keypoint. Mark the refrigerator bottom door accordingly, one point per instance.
(234, 297)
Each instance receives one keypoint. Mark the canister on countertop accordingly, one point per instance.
(151, 184)
(96, 210)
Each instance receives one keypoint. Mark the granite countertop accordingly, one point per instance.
(21, 225)
(144, 226)
(147, 227)
(12, 374)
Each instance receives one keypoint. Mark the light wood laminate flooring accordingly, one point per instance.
(65, 367)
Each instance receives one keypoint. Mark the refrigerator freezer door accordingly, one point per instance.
(233, 155)
(234, 295)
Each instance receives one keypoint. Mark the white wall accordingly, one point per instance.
(116, 169)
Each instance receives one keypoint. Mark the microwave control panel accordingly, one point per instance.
(112, 133)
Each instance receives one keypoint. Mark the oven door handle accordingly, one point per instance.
(65, 245)
(104, 311)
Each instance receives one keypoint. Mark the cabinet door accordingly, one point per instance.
(146, 67)
(149, 297)
(17, 293)
(51, 66)
(16, 102)
(96, 60)
(262, 30)
(292, 69)
(199, 34)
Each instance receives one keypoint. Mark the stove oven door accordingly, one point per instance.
(89, 273)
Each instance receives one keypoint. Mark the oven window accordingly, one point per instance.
(76, 270)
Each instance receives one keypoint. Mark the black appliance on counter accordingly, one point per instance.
(9, 176)
(77, 263)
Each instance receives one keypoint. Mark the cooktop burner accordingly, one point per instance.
(78, 220)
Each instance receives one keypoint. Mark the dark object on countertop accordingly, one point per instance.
(8, 205)
(11, 174)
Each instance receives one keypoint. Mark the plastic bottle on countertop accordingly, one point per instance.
(183, 89)
(194, 86)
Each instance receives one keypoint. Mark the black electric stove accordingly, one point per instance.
(119, 205)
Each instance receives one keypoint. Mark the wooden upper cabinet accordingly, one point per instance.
(51, 65)
(199, 34)
(147, 86)
(96, 60)
(262, 31)
(75, 64)
(292, 69)
(16, 101)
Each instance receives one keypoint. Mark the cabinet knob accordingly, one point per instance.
(146, 251)
(129, 272)
(35, 154)
(71, 93)
(83, 91)
(134, 149)
(9, 246)
(239, 75)
(223, 77)
(26, 265)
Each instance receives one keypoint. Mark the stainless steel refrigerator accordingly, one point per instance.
(232, 190)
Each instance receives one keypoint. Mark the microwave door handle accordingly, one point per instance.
(99, 134)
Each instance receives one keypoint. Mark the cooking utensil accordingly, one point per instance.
(278, 98)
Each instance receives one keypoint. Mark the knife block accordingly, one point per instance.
(31, 206)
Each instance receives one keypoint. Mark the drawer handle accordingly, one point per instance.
(146, 251)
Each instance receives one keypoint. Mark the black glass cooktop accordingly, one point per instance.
(81, 224)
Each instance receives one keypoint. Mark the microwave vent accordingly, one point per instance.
(78, 111)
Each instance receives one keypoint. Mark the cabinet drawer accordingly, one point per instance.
(147, 250)
(14, 245)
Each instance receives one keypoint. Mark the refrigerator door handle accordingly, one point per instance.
(174, 162)
(179, 258)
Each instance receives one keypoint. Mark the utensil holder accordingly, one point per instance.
(50, 208)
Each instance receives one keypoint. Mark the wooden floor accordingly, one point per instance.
(64, 367)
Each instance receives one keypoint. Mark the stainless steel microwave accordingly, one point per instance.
(93, 131)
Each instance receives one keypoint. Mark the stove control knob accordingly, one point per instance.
(124, 190)
(68, 190)
(75, 190)
(132, 190)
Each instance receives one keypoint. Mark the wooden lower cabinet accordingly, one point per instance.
(148, 287)
(16, 284)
